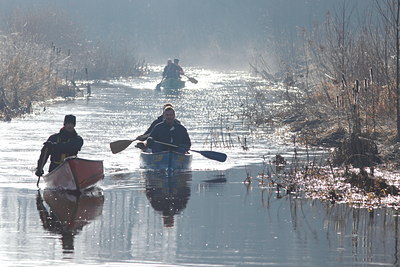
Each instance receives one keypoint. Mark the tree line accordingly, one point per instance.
(44, 55)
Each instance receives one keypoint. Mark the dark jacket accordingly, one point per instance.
(154, 123)
(168, 71)
(175, 134)
(60, 146)
(173, 71)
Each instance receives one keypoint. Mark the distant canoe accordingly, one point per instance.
(75, 174)
(168, 161)
(172, 83)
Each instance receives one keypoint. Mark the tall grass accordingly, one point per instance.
(344, 70)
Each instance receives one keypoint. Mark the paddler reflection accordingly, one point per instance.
(66, 214)
(168, 194)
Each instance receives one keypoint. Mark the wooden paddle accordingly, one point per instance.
(218, 156)
(118, 146)
(193, 80)
(42, 165)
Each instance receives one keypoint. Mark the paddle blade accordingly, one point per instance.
(218, 156)
(119, 145)
(158, 87)
(193, 80)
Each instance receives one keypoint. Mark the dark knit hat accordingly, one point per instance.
(70, 119)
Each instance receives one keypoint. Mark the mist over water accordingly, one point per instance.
(224, 34)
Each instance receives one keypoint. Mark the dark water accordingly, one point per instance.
(205, 217)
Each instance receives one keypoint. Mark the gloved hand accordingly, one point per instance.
(142, 137)
(150, 142)
(39, 172)
(181, 149)
(141, 145)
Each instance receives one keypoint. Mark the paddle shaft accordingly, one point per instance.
(162, 143)
(42, 164)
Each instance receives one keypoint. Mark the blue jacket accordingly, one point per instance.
(154, 123)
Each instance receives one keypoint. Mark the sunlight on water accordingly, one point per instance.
(205, 217)
(123, 109)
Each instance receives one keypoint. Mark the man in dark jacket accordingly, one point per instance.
(171, 132)
(177, 70)
(159, 119)
(59, 146)
(168, 70)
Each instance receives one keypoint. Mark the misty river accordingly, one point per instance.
(139, 218)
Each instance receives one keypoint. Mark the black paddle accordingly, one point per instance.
(193, 80)
(218, 156)
(120, 145)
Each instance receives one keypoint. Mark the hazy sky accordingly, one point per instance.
(217, 32)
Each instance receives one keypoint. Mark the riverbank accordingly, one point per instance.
(372, 181)
(25, 103)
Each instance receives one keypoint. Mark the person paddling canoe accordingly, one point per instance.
(169, 131)
(159, 119)
(168, 70)
(59, 146)
(177, 69)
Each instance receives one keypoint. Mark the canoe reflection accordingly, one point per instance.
(68, 213)
(168, 194)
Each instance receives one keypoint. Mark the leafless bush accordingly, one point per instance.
(345, 68)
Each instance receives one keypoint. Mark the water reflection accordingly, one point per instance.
(168, 195)
(365, 236)
(68, 213)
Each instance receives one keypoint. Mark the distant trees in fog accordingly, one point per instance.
(43, 53)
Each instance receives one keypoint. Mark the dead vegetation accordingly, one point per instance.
(343, 94)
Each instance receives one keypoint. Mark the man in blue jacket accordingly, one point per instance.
(169, 131)
(59, 146)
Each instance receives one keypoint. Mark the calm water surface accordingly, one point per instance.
(141, 218)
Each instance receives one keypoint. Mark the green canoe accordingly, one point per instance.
(172, 83)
